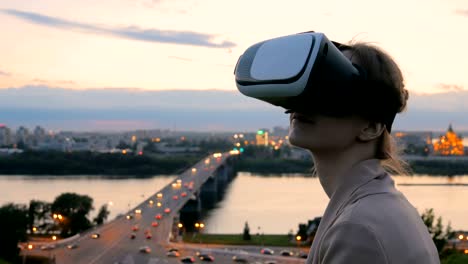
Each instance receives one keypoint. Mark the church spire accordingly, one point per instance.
(450, 129)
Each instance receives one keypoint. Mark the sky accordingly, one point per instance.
(158, 45)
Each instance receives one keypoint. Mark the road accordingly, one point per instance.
(115, 245)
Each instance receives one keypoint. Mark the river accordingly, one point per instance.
(271, 205)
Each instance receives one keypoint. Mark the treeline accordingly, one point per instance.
(63, 163)
(440, 167)
(254, 159)
(67, 215)
(274, 165)
(270, 165)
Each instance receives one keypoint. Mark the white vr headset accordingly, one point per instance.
(303, 72)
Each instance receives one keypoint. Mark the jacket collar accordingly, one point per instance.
(360, 174)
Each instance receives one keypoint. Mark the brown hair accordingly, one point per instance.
(381, 68)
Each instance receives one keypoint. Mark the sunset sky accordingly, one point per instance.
(133, 64)
(194, 44)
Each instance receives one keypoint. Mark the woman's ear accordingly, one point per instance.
(371, 131)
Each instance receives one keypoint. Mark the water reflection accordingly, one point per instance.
(119, 193)
(278, 204)
(272, 205)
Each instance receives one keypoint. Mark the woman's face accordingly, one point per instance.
(319, 133)
(324, 133)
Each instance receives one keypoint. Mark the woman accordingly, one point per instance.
(367, 220)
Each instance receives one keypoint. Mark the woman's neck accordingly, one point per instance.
(332, 167)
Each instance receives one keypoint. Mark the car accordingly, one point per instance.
(167, 210)
(206, 257)
(173, 249)
(72, 246)
(240, 259)
(173, 254)
(137, 211)
(158, 216)
(183, 194)
(303, 255)
(159, 195)
(154, 224)
(129, 217)
(286, 253)
(132, 236)
(175, 197)
(267, 251)
(159, 204)
(188, 259)
(95, 235)
(48, 247)
(148, 235)
(270, 262)
(135, 228)
(145, 249)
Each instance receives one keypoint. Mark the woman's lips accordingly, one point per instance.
(302, 118)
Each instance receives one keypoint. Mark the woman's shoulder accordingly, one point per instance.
(393, 221)
(387, 208)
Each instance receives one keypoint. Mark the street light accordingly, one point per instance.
(54, 238)
(199, 227)
(298, 239)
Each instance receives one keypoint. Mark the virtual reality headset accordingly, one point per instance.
(307, 73)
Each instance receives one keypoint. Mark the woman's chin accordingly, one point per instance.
(296, 139)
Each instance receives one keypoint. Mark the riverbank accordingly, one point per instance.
(436, 166)
(93, 163)
(236, 239)
(147, 165)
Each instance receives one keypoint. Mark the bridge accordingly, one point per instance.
(146, 232)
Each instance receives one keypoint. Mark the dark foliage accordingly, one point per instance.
(74, 209)
(61, 163)
(14, 221)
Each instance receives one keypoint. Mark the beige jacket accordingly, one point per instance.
(369, 221)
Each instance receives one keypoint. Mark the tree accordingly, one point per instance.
(38, 214)
(73, 210)
(14, 222)
(436, 230)
(123, 145)
(102, 215)
(246, 235)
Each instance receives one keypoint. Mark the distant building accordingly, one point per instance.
(262, 138)
(449, 144)
(6, 138)
(22, 135)
(415, 143)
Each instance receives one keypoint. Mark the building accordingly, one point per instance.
(449, 144)
(262, 138)
(6, 138)
(22, 135)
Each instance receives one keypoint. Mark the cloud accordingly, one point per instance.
(126, 109)
(450, 87)
(4, 73)
(128, 32)
(462, 12)
(52, 83)
(179, 58)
